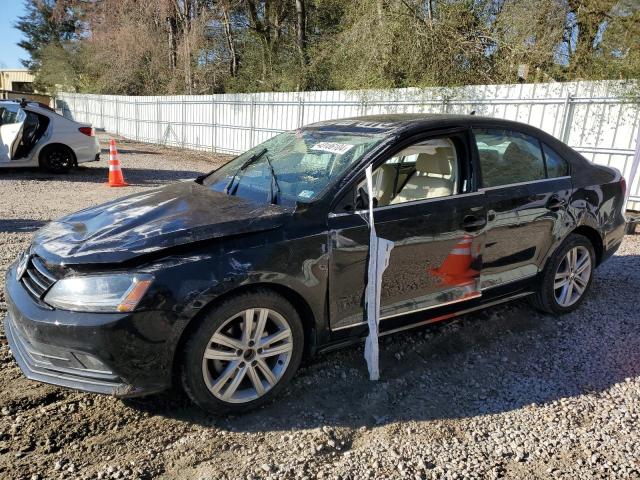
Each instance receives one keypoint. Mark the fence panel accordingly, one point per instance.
(595, 118)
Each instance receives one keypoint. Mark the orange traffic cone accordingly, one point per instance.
(456, 268)
(115, 171)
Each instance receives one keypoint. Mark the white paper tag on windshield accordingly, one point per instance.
(306, 194)
(338, 148)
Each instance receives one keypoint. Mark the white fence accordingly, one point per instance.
(598, 119)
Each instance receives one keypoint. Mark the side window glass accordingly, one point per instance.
(556, 165)
(508, 157)
(10, 115)
(422, 171)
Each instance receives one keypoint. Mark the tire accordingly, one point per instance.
(210, 382)
(561, 298)
(57, 159)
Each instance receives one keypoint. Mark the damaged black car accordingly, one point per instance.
(222, 284)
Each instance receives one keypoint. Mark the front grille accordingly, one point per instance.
(37, 279)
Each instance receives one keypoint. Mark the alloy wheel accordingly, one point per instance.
(59, 160)
(572, 276)
(247, 355)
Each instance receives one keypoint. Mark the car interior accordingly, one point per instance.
(422, 171)
(33, 128)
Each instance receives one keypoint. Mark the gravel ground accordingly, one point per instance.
(507, 392)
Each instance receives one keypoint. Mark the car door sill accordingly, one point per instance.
(455, 314)
(439, 318)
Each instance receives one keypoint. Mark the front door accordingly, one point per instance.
(424, 206)
(527, 190)
(11, 124)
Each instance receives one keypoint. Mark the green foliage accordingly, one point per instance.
(42, 26)
(60, 69)
(214, 46)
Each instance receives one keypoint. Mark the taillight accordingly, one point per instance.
(88, 131)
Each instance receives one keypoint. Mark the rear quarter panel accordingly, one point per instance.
(597, 201)
(65, 131)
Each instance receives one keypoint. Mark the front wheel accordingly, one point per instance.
(242, 353)
(567, 277)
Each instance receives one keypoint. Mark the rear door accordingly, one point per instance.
(427, 208)
(12, 119)
(526, 197)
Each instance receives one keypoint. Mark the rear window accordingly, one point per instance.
(508, 157)
(556, 165)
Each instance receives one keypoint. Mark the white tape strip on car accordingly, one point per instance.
(379, 252)
(332, 147)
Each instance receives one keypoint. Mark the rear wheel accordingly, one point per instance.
(567, 277)
(243, 353)
(57, 159)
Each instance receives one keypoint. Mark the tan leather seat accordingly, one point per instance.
(383, 183)
(421, 185)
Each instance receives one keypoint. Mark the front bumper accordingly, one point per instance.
(124, 355)
(60, 366)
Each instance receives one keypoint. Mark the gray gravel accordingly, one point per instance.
(507, 392)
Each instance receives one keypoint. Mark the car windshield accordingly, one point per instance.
(305, 162)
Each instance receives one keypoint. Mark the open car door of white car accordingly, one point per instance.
(11, 129)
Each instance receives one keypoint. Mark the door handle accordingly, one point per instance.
(555, 203)
(471, 223)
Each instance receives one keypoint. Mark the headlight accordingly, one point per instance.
(103, 293)
(21, 266)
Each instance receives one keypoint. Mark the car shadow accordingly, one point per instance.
(20, 225)
(497, 360)
(100, 174)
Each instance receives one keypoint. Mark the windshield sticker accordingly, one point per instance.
(306, 194)
(338, 148)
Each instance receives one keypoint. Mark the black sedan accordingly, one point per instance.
(224, 283)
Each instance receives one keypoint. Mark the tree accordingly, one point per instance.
(602, 38)
(47, 22)
(225, 8)
(301, 31)
(206, 46)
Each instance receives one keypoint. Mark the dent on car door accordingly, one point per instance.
(11, 125)
(425, 207)
(527, 189)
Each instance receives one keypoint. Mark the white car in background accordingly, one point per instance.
(32, 135)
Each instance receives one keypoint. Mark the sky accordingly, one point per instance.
(10, 53)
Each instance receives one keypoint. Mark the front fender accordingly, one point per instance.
(295, 268)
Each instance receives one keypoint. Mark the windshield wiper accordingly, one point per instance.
(253, 158)
(274, 195)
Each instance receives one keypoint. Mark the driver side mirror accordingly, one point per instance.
(362, 200)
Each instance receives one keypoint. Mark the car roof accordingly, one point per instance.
(30, 105)
(390, 124)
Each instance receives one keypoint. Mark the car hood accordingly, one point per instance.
(147, 222)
